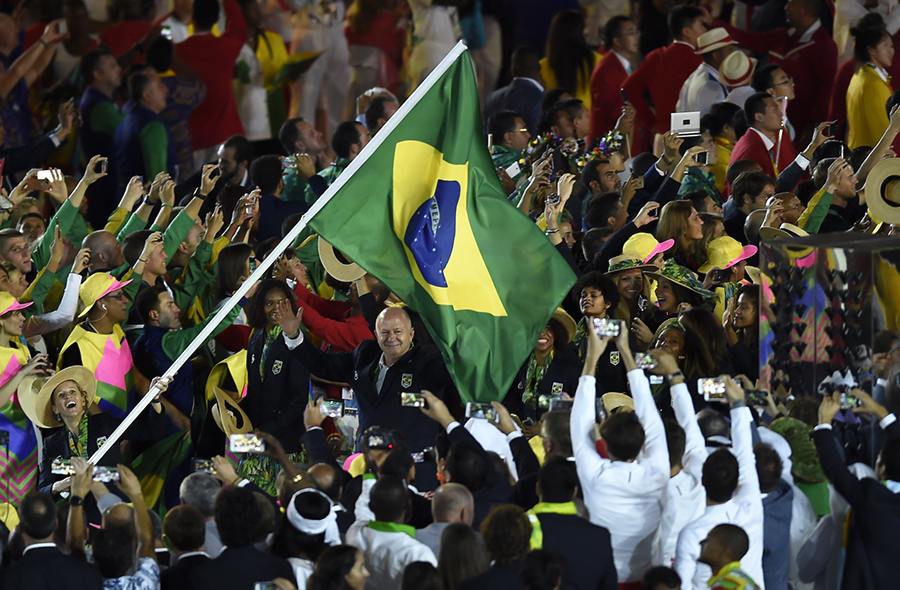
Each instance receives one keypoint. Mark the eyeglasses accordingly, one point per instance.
(522, 130)
(120, 296)
(788, 80)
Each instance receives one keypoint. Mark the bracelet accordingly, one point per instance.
(674, 375)
(141, 260)
(76, 501)
(236, 481)
(666, 160)
(167, 205)
(44, 43)
(552, 231)
(297, 478)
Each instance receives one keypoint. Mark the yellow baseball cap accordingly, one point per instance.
(96, 287)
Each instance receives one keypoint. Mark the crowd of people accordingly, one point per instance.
(153, 155)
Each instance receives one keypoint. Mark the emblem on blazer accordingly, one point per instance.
(252, 358)
(521, 385)
(556, 388)
(614, 358)
(276, 368)
(101, 441)
(406, 380)
(355, 376)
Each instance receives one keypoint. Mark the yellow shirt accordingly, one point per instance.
(584, 86)
(720, 170)
(272, 55)
(866, 114)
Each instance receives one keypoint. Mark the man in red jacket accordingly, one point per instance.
(212, 58)
(622, 37)
(661, 76)
(807, 53)
(760, 142)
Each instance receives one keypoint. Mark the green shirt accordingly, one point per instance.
(154, 140)
(106, 118)
(296, 188)
(331, 173)
(504, 157)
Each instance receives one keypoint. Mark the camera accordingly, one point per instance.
(204, 466)
(607, 327)
(702, 158)
(644, 360)
(412, 400)
(711, 388)
(332, 408)
(246, 443)
(482, 412)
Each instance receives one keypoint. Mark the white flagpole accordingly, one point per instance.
(257, 274)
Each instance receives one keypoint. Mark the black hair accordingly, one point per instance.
(805, 191)
(858, 156)
(690, 142)
(542, 569)
(675, 439)
(613, 29)
(332, 568)
(624, 435)
(160, 54)
(763, 77)
(185, 528)
(558, 480)
(243, 149)
(598, 280)
(289, 542)
(265, 172)
(892, 101)
(421, 575)
(37, 515)
(833, 148)
(720, 476)
(205, 13)
(768, 467)
(376, 111)
(113, 551)
(884, 341)
(389, 499)
(864, 39)
(560, 334)
(468, 466)
(568, 53)
(890, 457)
(148, 300)
(589, 173)
(90, 63)
(506, 533)
(683, 17)
(548, 120)
(231, 263)
(749, 185)
(289, 135)
(133, 245)
(345, 135)
(501, 123)
(755, 105)
(719, 115)
(600, 208)
(550, 97)
(255, 308)
(593, 240)
(237, 515)
(660, 576)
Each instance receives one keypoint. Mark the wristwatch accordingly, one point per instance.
(76, 501)
(674, 375)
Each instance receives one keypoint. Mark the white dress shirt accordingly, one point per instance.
(701, 90)
(623, 497)
(744, 509)
(685, 497)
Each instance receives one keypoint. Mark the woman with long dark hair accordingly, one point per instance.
(570, 61)
(742, 331)
(870, 86)
(462, 555)
(693, 360)
(339, 568)
(679, 221)
(233, 268)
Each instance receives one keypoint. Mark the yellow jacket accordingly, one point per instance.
(866, 114)
(584, 86)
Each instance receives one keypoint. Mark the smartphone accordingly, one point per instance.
(106, 474)
(249, 208)
(166, 32)
(608, 327)
(601, 410)
(482, 412)
(831, 130)
(102, 167)
(265, 586)
(204, 466)
(638, 182)
(711, 388)
(63, 28)
(721, 275)
(545, 401)
(701, 158)
(644, 360)
(848, 401)
(44, 175)
(246, 443)
(624, 95)
(289, 162)
(418, 457)
(755, 397)
(378, 438)
(412, 400)
(656, 379)
(6, 204)
(332, 408)
(553, 199)
(61, 466)
(558, 403)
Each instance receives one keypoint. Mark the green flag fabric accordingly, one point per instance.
(425, 214)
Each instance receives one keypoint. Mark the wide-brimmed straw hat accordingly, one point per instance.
(35, 394)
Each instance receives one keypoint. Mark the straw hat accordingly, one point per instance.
(713, 39)
(338, 265)
(681, 276)
(725, 252)
(96, 287)
(35, 394)
(566, 320)
(227, 421)
(737, 69)
(883, 191)
(786, 230)
(614, 401)
(644, 246)
(625, 262)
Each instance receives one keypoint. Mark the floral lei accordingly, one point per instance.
(609, 144)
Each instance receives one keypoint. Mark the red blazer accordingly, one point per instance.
(212, 59)
(751, 147)
(812, 65)
(660, 76)
(606, 98)
(837, 110)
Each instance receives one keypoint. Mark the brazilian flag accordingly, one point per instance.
(422, 210)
